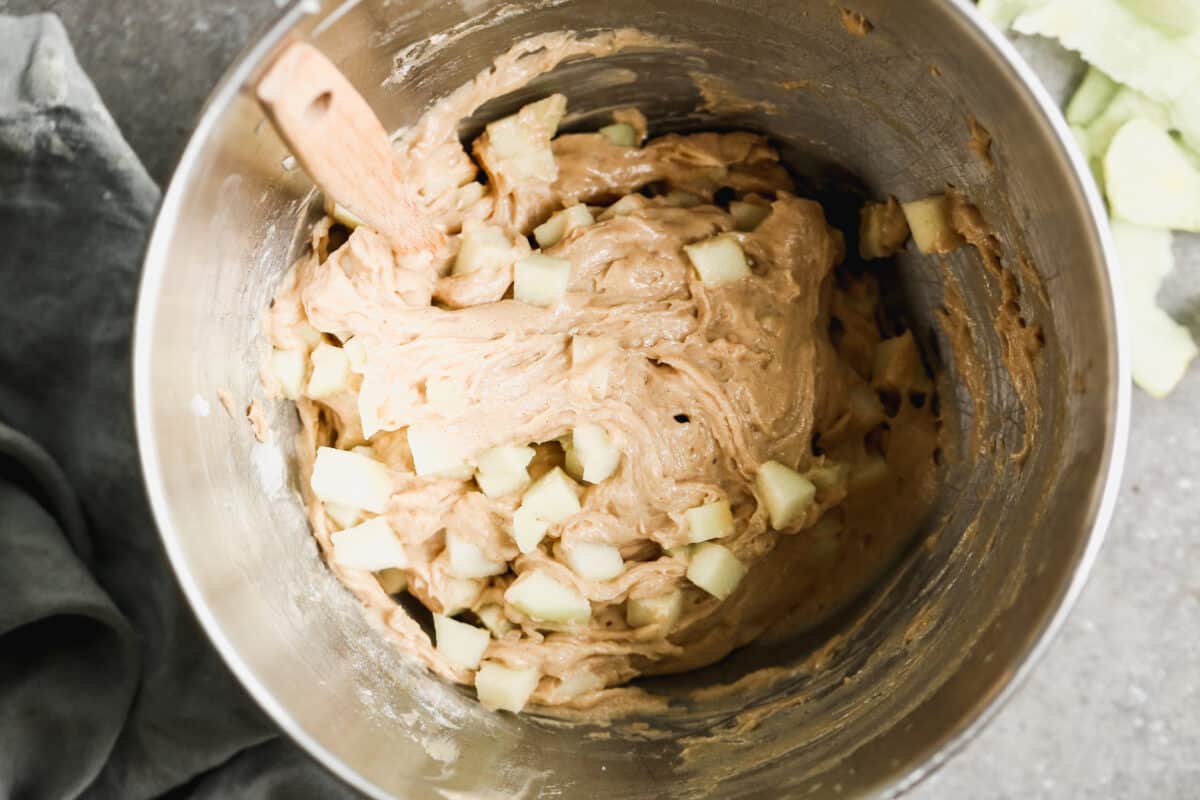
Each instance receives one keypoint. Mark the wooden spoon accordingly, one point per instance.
(343, 146)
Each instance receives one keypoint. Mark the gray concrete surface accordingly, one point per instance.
(1113, 710)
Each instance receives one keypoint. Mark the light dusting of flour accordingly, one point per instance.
(199, 406)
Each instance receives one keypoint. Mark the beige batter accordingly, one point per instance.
(705, 384)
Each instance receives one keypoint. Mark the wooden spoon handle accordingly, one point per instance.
(342, 145)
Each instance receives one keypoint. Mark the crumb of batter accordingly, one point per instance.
(258, 421)
(227, 402)
(856, 22)
(622, 426)
(980, 140)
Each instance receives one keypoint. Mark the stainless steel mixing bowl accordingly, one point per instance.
(870, 704)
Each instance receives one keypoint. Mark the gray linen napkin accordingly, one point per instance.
(108, 688)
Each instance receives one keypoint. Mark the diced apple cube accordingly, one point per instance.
(663, 610)
(435, 453)
(356, 354)
(310, 335)
(882, 229)
(366, 451)
(588, 348)
(829, 476)
(528, 529)
(715, 570)
(719, 260)
(748, 216)
(544, 599)
(469, 195)
(551, 232)
(289, 368)
(351, 479)
(898, 365)
(624, 207)
(868, 474)
(485, 247)
(343, 516)
(503, 470)
(575, 684)
(865, 406)
(541, 280)
(447, 395)
(493, 617)
(460, 595)
(594, 451)
(458, 642)
(370, 546)
(467, 560)
(522, 142)
(709, 521)
(932, 229)
(392, 580)
(595, 562)
(682, 552)
(553, 497)
(330, 372)
(786, 493)
(502, 688)
(621, 134)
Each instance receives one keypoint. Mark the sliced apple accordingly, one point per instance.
(748, 216)
(541, 280)
(551, 232)
(594, 452)
(436, 454)
(930, 224)
(1150, 179)
(709, 521)
(594, 561)
(663, 610)
(502, 688)
(467, 560)
(392, 580)
(458, 642)
(330, 372)
(543, 599)
(528, 529)
(715, 570)
(620, 134)
(503, 470)
(786, 493)
(371, 546)
(485, 247)
(492, 616)
(719, 261)
(351, 479)
(343, 516)
(289, 368)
